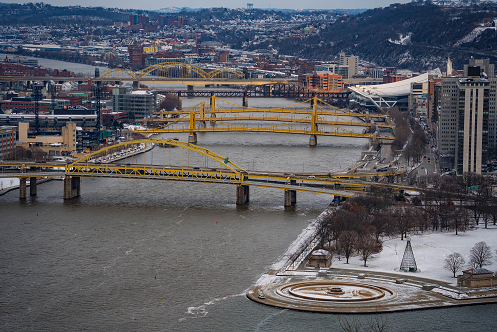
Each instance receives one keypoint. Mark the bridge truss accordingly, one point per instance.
(194, 167)
(170, 70)
(311, 117)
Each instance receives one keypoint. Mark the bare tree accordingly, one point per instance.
(480, 255)
(454, 262)
(374, 324)
(366, 247)
(346, 242)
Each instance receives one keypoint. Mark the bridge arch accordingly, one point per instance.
(171, 70)
(192, 147)
(180, 67)
(225, 71)
(121, 73)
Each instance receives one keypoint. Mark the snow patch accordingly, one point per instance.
(6, 183)
(472, 35)
(403, 40)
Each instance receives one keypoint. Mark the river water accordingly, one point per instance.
(138, 255)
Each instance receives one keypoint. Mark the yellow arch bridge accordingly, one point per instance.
(174, 70)
(312, 117)
(191, 163)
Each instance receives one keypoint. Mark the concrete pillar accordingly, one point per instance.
(72, 187)
(190, 89)
(313, 140)
(192, 138)
(245, 100)
(242, 195)
(33, 190)
(290, 195)
(22, 188)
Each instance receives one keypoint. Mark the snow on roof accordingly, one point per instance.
(477, 271)
(390, 89)
(140, 92)
(320, 252)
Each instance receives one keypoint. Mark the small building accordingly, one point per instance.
(474, 278)
(320, 258)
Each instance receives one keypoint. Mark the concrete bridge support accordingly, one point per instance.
(192, 138)
(290, 195)
(33, 190)
(313, 140)
(242, 195)
(72, 187)
(190, 88)
(22, 188)
(245, 100)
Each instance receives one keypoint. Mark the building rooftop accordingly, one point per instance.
(390, 89)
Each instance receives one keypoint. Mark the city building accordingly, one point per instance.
(14, 69)
(136, 60)
(352, 62)
(321, 81)
(392, 78)
(418, 99)
(466, 128)
(109, 116)
(52, 145)
(17, 104)
(333, 68)
(138, 104)
(7, 139)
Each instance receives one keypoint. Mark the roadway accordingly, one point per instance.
(339, 184)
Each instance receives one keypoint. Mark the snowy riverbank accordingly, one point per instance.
(430, 251)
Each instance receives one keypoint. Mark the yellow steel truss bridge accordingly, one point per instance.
(312, 117)
(190, 163)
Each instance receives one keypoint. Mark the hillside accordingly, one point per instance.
(45, 14)
(416, 35)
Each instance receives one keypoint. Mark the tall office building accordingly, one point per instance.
(467, 118)
(351, 61)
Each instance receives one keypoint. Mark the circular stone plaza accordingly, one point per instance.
(292, 284)
(352, 291)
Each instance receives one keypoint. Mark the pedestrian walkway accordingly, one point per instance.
(404, 293)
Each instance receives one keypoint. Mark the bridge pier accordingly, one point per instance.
(72, 187)
(242, 195)
(22, 188)
(192, 138)
(33, 190)
(290, 196)
(245, 100)
(313, 140)
(190, 88)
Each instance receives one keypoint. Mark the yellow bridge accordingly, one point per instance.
(210, 167)
(316, 118)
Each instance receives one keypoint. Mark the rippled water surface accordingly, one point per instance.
(138, 255)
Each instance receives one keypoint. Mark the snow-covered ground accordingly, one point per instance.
(8, 182)
(430, 251)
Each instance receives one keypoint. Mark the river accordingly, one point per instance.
(139, 255)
